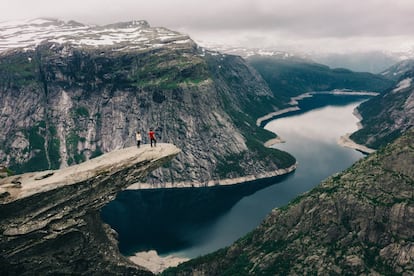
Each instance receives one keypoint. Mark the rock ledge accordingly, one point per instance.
(50, 221)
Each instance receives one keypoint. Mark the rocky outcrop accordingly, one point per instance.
(359, 222)
(396, 71)
(387, 116)
(50, 221)
(87, 90)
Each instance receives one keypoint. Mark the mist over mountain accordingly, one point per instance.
(398, 70)
(70, 92)
(373, 62)
(363, 61)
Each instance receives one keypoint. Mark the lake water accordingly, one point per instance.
(192, 222)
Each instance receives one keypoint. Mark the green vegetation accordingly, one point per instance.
(384, 118)
(166, 71)
(230, 73)
(97, 152)
(229, 166)
(255, 136)
(4, 172)
(80, 111)
(240, 266)
(292, 77)
(53, 148)
(240, 100)
(72, 141)
(331, 230)
(36, 139)
(39, 161)
(17, 71)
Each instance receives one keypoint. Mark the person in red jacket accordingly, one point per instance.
(151, 134)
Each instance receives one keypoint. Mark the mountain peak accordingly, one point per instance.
(129, 24)
(131, 35)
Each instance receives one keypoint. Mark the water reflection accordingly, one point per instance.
(192, 222)
(174, 219)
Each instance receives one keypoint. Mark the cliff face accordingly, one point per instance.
(387, 116)
(50, 221)
(70, 99)
(359, 222)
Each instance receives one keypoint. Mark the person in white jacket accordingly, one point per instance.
(138, 138)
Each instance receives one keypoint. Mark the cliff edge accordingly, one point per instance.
(50, 221)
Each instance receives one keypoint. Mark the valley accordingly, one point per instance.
(72, 93)
(189, 222)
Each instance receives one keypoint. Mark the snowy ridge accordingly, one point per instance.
(134, 35)
(248, 52)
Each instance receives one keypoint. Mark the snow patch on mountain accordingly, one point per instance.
(405, 83)
(137, 35)
(247, 52)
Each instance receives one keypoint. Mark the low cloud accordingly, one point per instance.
(276, 22)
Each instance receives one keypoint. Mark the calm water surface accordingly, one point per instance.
(197, 229)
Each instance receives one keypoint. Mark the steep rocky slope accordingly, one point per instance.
(359, 222)
(396, 71)
(71, 92)
(50, 221)
(387, 116)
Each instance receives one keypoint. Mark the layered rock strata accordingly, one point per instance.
(50, 221)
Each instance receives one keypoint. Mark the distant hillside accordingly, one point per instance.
(372, 62)
(388, 116)
(398, 70)
(289, 77)
(359, 222)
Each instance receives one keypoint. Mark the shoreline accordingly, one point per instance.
(216, 182)
(346, 141)
(276, 113)
(221, 182)
(154, 262)
(274, 141)
(294, 102)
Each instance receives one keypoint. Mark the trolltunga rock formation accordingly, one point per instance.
(50, 220)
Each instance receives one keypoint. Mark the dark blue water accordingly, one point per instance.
(192, 222)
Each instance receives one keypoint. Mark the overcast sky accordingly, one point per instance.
(299, 25)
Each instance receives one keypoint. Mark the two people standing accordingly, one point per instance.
(151, 134)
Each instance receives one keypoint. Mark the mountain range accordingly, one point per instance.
(85, 90)
(357, 222)
(364, 61)
(70, 92)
